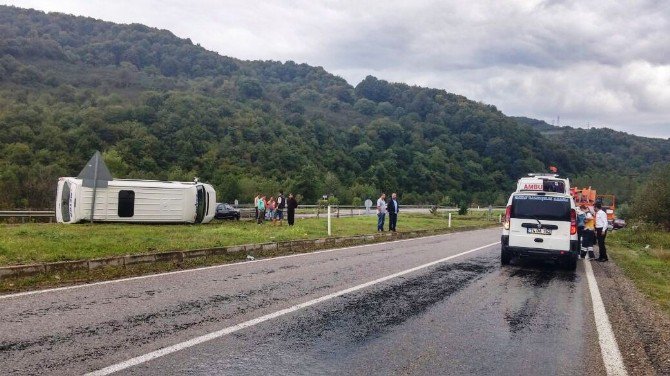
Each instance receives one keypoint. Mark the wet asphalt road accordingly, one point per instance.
(464, 316)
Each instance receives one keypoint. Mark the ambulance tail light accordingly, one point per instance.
(573, 222)
(508, 213)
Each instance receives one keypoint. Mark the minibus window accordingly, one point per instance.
(126, 204)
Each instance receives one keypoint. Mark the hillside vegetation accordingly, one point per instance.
(160, 107)
(617, 162)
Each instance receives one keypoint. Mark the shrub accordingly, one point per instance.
(463, 208)
(652, 201)
(623, 211)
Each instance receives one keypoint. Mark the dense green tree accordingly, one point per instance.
(250, 88)
(373, 89)
(652, 201)
(366, 107)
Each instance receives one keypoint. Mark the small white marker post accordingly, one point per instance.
(449, 220)
(329, 232)
(499, 218)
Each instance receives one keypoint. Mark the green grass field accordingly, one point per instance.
(43, 242)
(644, 256)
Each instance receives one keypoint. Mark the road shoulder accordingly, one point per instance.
(642, 329)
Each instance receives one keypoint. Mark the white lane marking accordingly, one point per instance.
(231, 329)
(608, 345)
(20, 294)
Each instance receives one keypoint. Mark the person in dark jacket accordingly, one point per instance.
(393, 209)
(281, 205)
(291, 205)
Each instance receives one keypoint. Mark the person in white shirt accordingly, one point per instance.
(601, 231)
(258, 196)
(381, 212)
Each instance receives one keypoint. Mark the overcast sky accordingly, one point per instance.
(591, 63)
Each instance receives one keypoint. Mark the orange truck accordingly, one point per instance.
(589, 197)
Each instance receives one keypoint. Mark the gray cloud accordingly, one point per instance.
(592, 63)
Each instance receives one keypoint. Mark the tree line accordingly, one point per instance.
(160, 107)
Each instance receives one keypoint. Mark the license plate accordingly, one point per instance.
(539, 231)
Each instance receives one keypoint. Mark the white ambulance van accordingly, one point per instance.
(541, 221)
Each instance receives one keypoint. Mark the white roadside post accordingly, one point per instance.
(449, 219)
(499, 218)
(95, 183)
(329, 232)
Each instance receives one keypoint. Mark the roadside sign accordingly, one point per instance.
(95, 174)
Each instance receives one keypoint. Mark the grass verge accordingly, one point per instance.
(643, 253)
(44, 242)
(66, 242)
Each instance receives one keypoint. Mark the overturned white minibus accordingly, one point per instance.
(137, 201)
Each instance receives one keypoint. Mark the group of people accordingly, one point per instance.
(273, 209)
(391, 207)
(592, 228)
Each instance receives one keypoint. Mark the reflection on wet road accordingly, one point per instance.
(465, 316)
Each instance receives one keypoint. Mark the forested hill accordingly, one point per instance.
(625, 158)
(160, 107)
(624, 149)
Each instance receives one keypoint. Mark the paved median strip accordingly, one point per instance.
(231, 329)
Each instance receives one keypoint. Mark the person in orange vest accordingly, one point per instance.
(588, 234)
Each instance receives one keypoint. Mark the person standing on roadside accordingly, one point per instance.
(601, 231)
(581, 217)
(393, 209)
(260, 206)
(381, 211)
(258, 197)
(291, 204)
(271, 209)
(281, 204)
(588, 234)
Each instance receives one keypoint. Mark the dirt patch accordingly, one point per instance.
(642, 329)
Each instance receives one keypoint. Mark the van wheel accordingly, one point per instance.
(505, 257)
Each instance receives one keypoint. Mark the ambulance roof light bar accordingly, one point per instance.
(542, 174)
